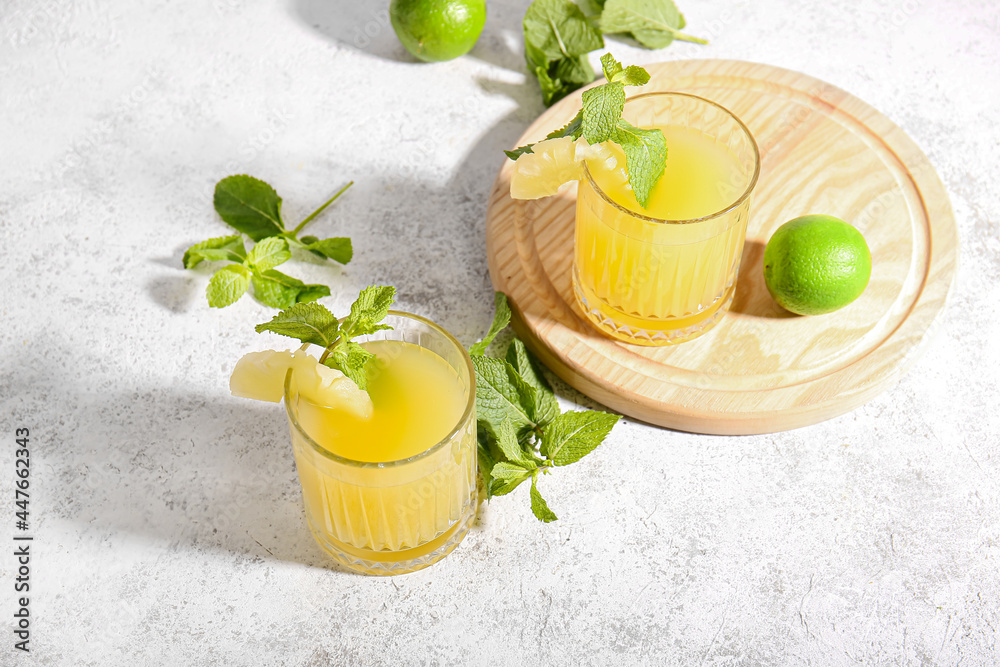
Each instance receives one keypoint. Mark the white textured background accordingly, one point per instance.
(166, 514)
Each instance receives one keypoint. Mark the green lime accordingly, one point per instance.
(435, 30)
(816, 264)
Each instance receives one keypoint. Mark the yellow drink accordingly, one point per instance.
(695, 182)
(418, 399)
(666, 273)
(396, 492)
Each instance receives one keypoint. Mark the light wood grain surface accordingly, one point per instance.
(761, 369)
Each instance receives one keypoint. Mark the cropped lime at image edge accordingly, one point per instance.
(463, 332)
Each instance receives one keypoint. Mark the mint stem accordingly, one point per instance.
(326, 352)
(680, 36)
(313, 215)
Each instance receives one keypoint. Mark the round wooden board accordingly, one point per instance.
(761, 369)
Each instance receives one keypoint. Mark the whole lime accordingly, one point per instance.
(435, 30)
(816, 264)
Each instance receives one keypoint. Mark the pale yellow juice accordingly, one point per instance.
(397, 491)
(660, 269)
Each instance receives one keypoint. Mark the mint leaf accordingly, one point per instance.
(273, 292)
(552, 88)
(502, 394)
(576, 71)
(603, 105)
(227, 285)
(269, 253)
(501, 318)
(539, 507)
(557, 37)
(611, 66)
(250, 206)
(506, 477)
(526, 365)
(573, 435)
(350, 359)
(486, 460)
(501, 487)
(558, 29)
(574, 129)
(308, 322)
(519, 151)
(307, 293)
(632, 75)
(645, 157)
(312, 323)
(538, 64)
(275, 289)
(215, 249)
(602, 109)
(653, 23)
(545, 407)
(506, 471)
(338, 249)
(370, 308)
(511, 448)
(343, 354)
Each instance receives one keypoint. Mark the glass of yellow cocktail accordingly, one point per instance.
(666, 273)
(395, 492)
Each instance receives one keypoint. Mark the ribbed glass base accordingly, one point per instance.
(367, 561)
(655, 332)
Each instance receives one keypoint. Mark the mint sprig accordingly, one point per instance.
(558, 36)
(653, 23)
(252, 207)
(313, 323)
(522, 434)
(601, 120)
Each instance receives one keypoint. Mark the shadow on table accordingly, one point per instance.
(189, 471)
(162, 466)
(213, 472)
(751, 297)
(419, 232)
(366, 27)
(158, 465)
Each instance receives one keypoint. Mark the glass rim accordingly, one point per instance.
(470, 405)
(686, 221)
